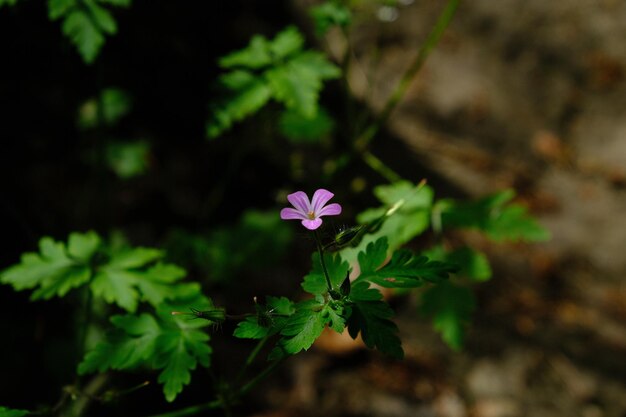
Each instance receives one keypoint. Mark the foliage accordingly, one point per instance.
(10, 412)
(371, 316)
(173, 345)
(124, 276)
(404, 215)
(329, 14)
(86, 23)
(159, 322)
(279, 69)
(494, 216)
(450, 307)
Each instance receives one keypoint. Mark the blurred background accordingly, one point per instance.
(529, 95)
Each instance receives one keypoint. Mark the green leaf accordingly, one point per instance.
(248, 94)
(277, 69)
(495, 216)
(270, 319)
(371, 316)
(404, 215)
(288, 42)
(298, 82)
(58, 8)
(303, 327)
(84, 34)
(101, 17)
(128, 159)
(11, 412)
(405, 270)
(54, 270)
(170, 343)
(131, 345)
(256, 55)
(329, 14)
(450, 307)
(315, 282)
(472, 263)
(106, 110)
(300, 129)
(128, 277)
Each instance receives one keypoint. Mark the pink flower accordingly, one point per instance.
(310, 211)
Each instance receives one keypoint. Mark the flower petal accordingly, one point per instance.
(300, 201)
(312, 224)
(290, 214)
(320, 198)
(330, 210)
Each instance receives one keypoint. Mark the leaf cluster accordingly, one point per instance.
(171, 344)
(279, 69)
(86, 23)
(495, 216)
(123, 276)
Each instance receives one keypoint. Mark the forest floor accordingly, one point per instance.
(523, 94)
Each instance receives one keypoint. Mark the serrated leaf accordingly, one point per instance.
(83, 245)
(12, 412)
(270, 319)
(303, 328)
(329, 14)
(371, 317)
(127, 277)
(286, 43)
(450, 307)
(58, 8)
(84, 34)
(132, 345)
(256, 55)
(53, 271)
(249, 94)
(173, 344)
(101, 17)
(298, 82)
(405, 214)
(250, 328)
(405, 270)
(315, 282)
(494, 215)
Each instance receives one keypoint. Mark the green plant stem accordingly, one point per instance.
(320, 250)
(251, 357)
(401, 88)
(379, 166)
(261, 376)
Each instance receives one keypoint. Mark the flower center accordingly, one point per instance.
(311, 215)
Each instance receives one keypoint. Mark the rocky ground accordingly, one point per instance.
(525, 94)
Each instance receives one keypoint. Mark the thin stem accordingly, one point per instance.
(251, 358)
(401, 88)
(261, 376)
(320, 250)
(379, 166)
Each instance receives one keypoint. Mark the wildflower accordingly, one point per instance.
(310, 211)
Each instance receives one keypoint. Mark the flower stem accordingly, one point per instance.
(320, 250)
